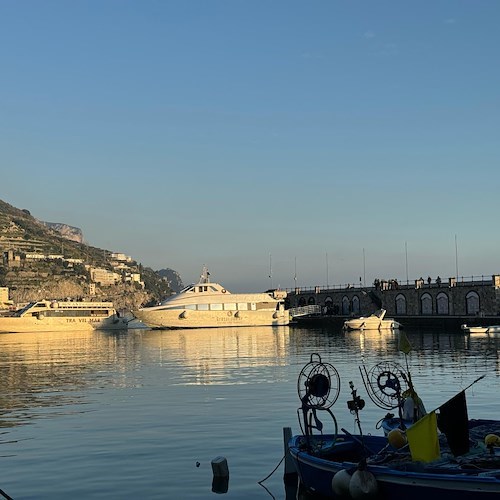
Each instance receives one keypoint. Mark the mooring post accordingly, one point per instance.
(289, 465)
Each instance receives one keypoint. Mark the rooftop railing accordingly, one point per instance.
(393, 284)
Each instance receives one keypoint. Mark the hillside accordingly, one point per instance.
(49, 260)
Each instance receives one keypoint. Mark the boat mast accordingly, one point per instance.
(204, 278)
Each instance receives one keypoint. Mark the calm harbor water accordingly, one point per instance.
(141, 413)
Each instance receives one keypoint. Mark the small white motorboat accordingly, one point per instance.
(375, 321)
(481, 329)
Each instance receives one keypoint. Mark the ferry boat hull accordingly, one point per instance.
(14, 325)
(53, 316)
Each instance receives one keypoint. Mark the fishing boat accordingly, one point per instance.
(210, 305)
(54, 316)
(344, 465)
(480, 329)
(375, 321)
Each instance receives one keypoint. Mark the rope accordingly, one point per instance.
(5, 495)
(274, 470)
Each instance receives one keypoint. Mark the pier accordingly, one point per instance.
(429, 303)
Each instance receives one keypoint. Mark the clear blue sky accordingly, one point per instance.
(324, 133)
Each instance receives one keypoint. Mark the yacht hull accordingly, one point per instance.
(178, 318)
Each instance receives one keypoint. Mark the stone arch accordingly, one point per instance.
(472, 303)
(346, 305)
(302, 301)
(442, 303)
(426, 303)
(328, 305)
(311, 301)
(355, 307)
(400, 304)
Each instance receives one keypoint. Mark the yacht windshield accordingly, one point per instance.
(25, 308)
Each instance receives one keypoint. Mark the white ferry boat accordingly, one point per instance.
(53, 316)
(210, 305)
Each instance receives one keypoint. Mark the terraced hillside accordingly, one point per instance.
(40, 262)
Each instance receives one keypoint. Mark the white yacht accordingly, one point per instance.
(210, 305)
(54, 316)
(375, 321)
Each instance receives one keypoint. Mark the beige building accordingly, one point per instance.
(104, 277)
(4, 297)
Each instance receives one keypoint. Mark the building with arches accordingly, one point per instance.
(436, 302)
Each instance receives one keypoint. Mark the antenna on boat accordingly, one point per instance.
(355, 405)
(271, 270)
(204, 278)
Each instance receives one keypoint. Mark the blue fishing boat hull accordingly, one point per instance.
(318, 463)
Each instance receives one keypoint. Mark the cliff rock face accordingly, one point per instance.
(172, 278)
(68, 232)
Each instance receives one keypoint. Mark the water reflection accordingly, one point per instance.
(51, 369)
(220, 356)
(55, 369)
(176, 397)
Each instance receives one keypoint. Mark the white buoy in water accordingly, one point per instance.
(219, 467)
(363, 485)
(340, 483)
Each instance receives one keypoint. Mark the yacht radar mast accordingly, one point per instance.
(204, 278)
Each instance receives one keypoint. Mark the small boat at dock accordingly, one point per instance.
(375, 321)
(481, 329)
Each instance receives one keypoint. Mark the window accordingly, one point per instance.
(400, 304)
(202, 307)
(472, 303)
(345, 305)
(216, 307)
(242, 306)
(355, 304)
(442, 304)
(230, 306)
(426, 304)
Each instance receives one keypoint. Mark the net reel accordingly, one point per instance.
(318, 387)
(385, 383)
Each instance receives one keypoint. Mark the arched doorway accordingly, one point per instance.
(328, 305)
(426, 304)
(472, 303)
(442, 303)
(355, 305)
(400, 304)
(345, 305)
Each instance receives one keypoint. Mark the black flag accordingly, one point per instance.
(453, 421)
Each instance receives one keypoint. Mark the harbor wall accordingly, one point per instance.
(473, 301)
